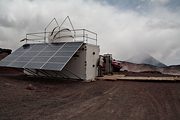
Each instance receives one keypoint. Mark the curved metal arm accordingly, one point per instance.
(70, 24)
(60, 31)
(54, 19)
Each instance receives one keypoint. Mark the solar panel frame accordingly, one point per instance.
(66, 44)
(42, 56)
(18, 64)
(45, 54)
(60, 53)
(4, 63)
(34, 65)
(53, 66)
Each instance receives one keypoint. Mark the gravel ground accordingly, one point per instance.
(25, 98)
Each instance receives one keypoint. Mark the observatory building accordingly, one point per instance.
(60, 52)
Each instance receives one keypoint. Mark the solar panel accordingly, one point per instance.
(44, 56)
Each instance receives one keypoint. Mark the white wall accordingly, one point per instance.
(92, 59)
(82, 66)
(77, 64)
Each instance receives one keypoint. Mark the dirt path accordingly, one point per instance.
(100, 100)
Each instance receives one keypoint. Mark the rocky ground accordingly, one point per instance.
(26, 98)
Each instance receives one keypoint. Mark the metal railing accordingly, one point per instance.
(78, 35)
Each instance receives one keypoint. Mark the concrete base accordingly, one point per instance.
(123, 77)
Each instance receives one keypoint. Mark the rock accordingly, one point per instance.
(30, 87)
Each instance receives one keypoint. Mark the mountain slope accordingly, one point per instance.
(146, 59)
(133, 67)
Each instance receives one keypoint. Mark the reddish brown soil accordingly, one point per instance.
(3, 55)
(4, 71)
(51, 99)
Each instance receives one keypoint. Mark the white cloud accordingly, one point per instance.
(120, 32)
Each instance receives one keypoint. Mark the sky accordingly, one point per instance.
(124, 27)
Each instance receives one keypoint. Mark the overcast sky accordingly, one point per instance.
(124, 27)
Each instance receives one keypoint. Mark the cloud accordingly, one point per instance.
(161, 2)
(122, 32)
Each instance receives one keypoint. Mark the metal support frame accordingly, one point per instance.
(68, 18)
(42, 36)
(54, 19)
(86, 35)
(31, 72)
(62, 75)
(52, 74)
(45, 73)
(49, 74)
(72, 73)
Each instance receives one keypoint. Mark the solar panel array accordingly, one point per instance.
(44, 56)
